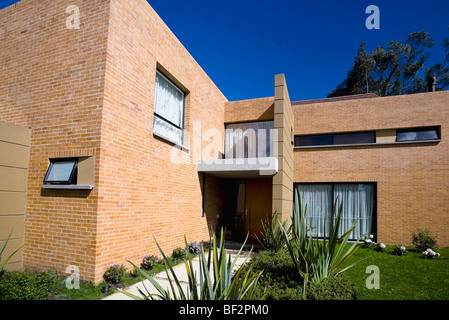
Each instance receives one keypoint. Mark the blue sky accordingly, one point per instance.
(242, 44)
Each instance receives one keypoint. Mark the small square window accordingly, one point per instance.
(62, 171)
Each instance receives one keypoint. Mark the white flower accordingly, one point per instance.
(371, 236)
(402, 248)
(368, 241)
(437, 254)
(425, 253)
(382, 246)
(431, 253)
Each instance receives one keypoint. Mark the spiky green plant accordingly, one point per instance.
(2, 249)
(216, 279)
(271, 237)
(316, 259)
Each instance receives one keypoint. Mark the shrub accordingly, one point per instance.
(194, 247)
(179, 253)
(423, 240)
(399, 251)
(149, 262)
(284, 283)
(114, 274)
(272, 237)
(216, 281)
(430, 254)
(26, 285)
(333, 288)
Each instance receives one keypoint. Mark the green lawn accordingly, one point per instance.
(406, 277)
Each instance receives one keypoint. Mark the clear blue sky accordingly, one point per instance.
(242, 44)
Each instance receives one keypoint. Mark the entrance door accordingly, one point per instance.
(258, 204)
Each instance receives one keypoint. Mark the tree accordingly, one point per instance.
(394, 69)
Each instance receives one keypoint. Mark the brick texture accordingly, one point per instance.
(412, 179)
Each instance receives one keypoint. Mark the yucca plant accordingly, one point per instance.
(216, 279)
(2, 249)
(316, 259)
(271, 237)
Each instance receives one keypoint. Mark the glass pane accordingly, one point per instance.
(355, 138)
(167, 131)
(417, 135)
(358, 202)
(61, 171)
(318, 199)
(169, 101)
(314, 140)
(249, 140)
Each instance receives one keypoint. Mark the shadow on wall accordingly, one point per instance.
(65, 193)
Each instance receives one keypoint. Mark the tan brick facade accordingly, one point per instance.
(412, 179)
(90, 92)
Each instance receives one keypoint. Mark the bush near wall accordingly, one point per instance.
(281, 278)
(26, 285)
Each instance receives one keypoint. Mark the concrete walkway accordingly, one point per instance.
(162, 279)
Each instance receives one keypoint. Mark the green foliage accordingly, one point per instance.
(148, 262)
(338, 287)
(394, 69)
(114, 274)
(26, 285)
(423, 240)
(317, 259)
(179, 253)
(271, 237)
(2, 249)
(280, 275)
(399, 251)
(217, 280)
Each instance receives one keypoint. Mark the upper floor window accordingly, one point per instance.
(249, 140)
(336, 139)
(168, 110)
(418, 134)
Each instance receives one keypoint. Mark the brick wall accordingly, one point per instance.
(90, 91)
(412, 179)
(143, 191)
(261, 109)
(52, 80)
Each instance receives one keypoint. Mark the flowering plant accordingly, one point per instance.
(380, 247)
(148, 262)
(399, 251)
(194, 247)
(114, 274)
(368, 242)
(179, 253)
(430, 254)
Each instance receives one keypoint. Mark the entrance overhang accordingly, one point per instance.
(240, 168)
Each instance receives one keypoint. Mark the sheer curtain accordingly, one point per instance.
(357, 206)
(318, 198)
(249, 140)
(358, 203)
(168, 109)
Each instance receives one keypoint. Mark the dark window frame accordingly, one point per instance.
(184, 94)
(437, 130)
(332, 137)
(374, 226)
(73, 175)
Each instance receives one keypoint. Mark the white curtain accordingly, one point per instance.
(358, 202)
(318, 198)
(168, 109)
(357, 206)
(249, 140)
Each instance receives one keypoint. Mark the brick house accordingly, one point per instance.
(112, 134)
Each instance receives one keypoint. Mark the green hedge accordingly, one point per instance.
(26, 285)
(282, 281)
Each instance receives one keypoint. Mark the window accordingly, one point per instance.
(168, 110)
(418, 134)
(62, 171)
(358, 206)
(249, 140)
(336, 139)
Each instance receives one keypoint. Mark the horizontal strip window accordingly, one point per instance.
(418, 134)
(336, 139)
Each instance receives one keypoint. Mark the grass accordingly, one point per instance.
(406, 277)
